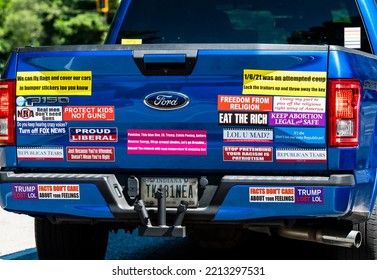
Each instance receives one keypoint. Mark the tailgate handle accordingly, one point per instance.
(165, 63)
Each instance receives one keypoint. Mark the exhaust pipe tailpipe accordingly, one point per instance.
(347, 239)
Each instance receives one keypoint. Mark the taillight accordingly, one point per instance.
(7, 112)
(343, 112)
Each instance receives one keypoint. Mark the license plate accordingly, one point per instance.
(176, 190)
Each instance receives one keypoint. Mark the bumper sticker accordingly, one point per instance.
(298, 195)
(93, 134)
(54, 83)
(278, 82)
(243, 119)
(90, 154)
(247, 153)
(300, 155)
(296, 119)
(45, 191)
(247, 135)
(300, 135)
(89, 113)
(167, 142)
(244, 103)
(39, 113)
(40, 153)
(298, 105)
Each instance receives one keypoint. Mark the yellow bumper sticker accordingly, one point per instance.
(131, 41)
(54, 83)
(271, 82)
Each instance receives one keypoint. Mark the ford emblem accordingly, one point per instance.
(166, 100)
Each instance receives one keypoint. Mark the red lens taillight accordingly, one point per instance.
(7, 112)
(343, 112)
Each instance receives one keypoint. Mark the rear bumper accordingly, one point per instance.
(238, 199)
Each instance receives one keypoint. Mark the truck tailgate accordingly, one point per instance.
(182, 107)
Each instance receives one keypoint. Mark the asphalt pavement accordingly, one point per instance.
(17, 243)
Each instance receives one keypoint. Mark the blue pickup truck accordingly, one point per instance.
(210, 122)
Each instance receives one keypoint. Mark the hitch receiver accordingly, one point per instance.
(161, 230)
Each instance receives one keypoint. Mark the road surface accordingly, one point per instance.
(16, 232)
(17, 236)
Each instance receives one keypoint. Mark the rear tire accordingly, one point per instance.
(368, 248)
(70, 241)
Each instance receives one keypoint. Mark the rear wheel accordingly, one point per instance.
(70, 241)
(368, 248)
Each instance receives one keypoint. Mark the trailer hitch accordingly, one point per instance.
(161, 230)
